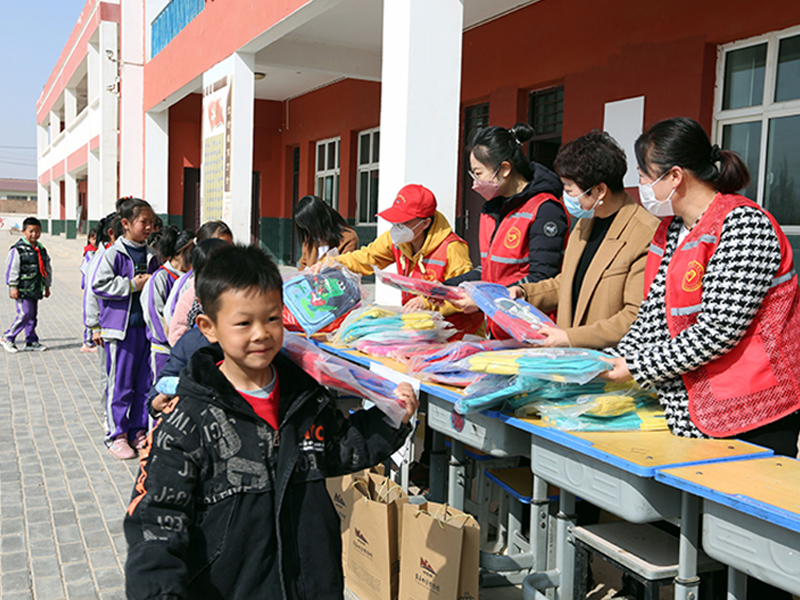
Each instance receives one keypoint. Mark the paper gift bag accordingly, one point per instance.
(373, 560)
(342, 494)
(432, 544)
(469, 575)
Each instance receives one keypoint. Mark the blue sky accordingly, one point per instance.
(33, 34)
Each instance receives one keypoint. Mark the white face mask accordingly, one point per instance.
(656, 207)
(402, 234)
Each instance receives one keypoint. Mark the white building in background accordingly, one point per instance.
(87, 122)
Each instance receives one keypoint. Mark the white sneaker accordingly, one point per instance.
(35, 347)
(8, 346)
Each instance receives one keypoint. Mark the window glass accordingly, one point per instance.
(744, 77)
(321, 157)
(363, 154)
(745, 139)
(376, 144)
(363, 196)
(787, 85)
(333, 161)
(782, 190)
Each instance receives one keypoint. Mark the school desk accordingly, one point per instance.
(751, 517)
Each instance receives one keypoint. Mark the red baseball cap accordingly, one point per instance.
(413, 201)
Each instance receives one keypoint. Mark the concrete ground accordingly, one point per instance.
(62, 496)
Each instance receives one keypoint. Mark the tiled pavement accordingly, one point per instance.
(62, 496)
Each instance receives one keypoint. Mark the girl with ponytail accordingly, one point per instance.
(717, 332)
(523, 224)
(175, 248)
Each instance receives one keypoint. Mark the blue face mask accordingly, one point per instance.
(574, 207)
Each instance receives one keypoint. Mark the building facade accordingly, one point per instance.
(235, 110)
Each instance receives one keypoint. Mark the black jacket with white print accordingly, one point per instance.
(227, 507)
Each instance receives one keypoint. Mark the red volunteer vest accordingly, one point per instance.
(435, 266)
(505, 258)
(757, 382)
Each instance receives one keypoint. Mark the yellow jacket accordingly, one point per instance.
(379, 254)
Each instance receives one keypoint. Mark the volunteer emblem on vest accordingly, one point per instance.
(693, 278)
(513, 238)
(429, 275)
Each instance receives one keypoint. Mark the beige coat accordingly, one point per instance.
(613, 287)
(311, 251)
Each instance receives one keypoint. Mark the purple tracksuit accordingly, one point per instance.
(19, 271)
(127, 347)
(154, 297)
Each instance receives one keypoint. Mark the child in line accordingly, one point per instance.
(230, 501)
(191, 340)
(175, 248)
(182, 294)
(28, 277)
(118, 280)
(88, 252)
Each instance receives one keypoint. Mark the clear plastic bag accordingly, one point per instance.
(629, 415)
(340, 374)
(522, 321)
(392, 326)
(318, 299)
(493, 391)
(454, 352)
(421, 287)
(570, 365)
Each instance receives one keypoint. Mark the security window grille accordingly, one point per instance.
(368, 175)
(757, 114)
(546, 116)
(327, 171)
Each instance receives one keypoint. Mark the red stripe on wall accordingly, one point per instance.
(78, 158)
(94, 142)
(57, 170)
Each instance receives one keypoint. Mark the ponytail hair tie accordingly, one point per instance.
(514, 137)
(716, 153)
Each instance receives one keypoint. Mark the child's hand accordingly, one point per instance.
(160, 402)
(97, 338)
(46, 292)
(14, 293)
(406, 393)
(140, 280)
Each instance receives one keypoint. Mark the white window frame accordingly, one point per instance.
(321, 172)
(764, 112)
(367, 167)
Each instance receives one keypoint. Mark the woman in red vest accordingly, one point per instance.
(718, 332)
(523, 225)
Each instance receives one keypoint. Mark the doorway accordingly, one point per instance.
(475, 117)
(191, 198)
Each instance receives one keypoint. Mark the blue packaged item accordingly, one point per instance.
(167, 385)
(522, 321)
(316, 300)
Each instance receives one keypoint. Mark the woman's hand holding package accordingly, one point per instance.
(620, 372)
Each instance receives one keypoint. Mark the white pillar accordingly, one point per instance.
(131, 159)
(420, 100)
(242, 109)
(108, 107)
(156, 152)
(94, 210)
(55, 202)
(92, 70)
(55, 125)
(70, 202)
(70, 105)
(41, 191)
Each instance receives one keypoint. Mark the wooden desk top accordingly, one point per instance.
(774, 481)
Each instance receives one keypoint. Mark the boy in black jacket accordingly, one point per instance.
(230, 501)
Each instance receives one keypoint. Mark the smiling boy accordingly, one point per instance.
(231, 501)
(28, 276)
